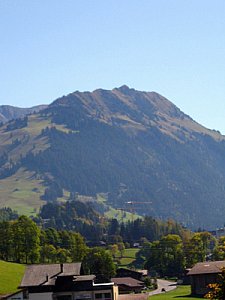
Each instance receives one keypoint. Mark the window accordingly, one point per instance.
(107, 296)
(83, 297)
(64, 297)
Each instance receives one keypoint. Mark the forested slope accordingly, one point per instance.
(129, 145)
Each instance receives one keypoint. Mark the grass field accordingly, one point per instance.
(128, 258)
(121, 215)
(22, 192)
(182, 292)
(10, 277)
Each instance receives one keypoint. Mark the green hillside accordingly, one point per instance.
(10, 277)
(20, 188)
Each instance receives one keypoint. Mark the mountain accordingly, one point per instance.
(8, 112)
(135, 148)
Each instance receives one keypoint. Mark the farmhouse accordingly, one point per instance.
(203, 274)
(65, 282)
(128, 285)
(136, 274)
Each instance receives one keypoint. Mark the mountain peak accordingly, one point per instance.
(124, 89)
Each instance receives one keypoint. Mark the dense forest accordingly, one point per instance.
(81, 217)
(165, 248)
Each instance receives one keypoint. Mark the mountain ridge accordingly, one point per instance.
(162, 106)
(9, 112)
(130, 145)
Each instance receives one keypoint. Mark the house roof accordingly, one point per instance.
(128, 281)
(143, 272)
(46, 274)
(207, 267)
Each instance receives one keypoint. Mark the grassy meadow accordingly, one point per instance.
(22, 192)
(128, 257)
(10, 277)
(182, 292)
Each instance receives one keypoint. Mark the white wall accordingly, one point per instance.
(40, 296)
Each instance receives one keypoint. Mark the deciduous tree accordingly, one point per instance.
(99, 262)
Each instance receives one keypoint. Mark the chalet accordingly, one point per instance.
(136, 274)
(202, 274)
(128, 285)
(65, 282)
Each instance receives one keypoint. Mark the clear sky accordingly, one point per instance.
(49, 48)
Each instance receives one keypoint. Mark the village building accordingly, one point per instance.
(136, 274)
(204, 273)
(65, 282)
(128, 285)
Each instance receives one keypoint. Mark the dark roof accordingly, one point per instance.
(207, 267)
(46, 274)
(128, 281)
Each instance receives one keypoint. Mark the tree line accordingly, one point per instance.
(83, 218)
(172, 254)
(165, 248)
(22, 241)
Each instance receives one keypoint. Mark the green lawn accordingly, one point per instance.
(10, 277)
(182, 292)
(128, 257)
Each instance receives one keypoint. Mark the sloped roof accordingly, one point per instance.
(128, 281)
(46, 274)
(143, 272)
(208, 267)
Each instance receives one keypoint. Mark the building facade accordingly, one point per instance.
(65, 282)
(202, 274)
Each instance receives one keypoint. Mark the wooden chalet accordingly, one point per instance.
(136, 274)
(128, 285)
(202, 274)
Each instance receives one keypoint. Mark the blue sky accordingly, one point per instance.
(50, 48)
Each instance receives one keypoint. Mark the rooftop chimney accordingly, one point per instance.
(61, 268)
